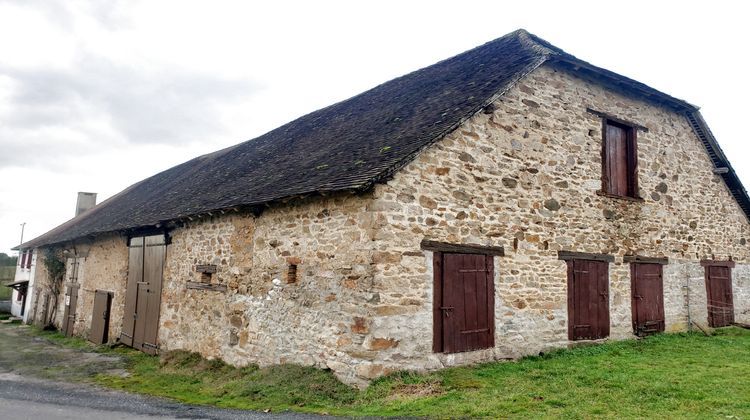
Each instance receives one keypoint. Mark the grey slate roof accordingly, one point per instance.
(350, 145)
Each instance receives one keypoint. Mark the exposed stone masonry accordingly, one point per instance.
(524, 176)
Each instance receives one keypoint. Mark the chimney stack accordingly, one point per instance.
(86, 200)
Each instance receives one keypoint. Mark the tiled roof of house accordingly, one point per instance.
(350, 145)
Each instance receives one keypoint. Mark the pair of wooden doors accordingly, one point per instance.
(464, 302)
(719, 295)
(140, 323)
(588, 299)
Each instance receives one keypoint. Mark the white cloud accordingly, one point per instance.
(95, 96)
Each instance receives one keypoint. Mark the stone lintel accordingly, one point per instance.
(716, 263)
(645, 260)
(570, 255)
(206, 286)
(436, 246)
(617, 120)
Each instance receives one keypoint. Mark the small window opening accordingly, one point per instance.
(291, 274)
(206, 278)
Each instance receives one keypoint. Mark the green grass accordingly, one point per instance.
(71, 342)
(5, 292)
(669, 375)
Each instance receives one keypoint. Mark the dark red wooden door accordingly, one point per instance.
(588, 300)
(719, 294)
(647, 289)
(616, 160)
(467, 302)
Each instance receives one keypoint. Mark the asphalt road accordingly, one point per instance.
(40, 381)
(36, 399)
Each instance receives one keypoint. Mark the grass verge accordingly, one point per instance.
(669, 375)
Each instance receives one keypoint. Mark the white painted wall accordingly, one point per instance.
(24, 274)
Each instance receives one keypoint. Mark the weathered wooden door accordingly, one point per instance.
(616, 169)
(588, 299)
(647, 293)
(719, 294)
(69, 315)
(467, 307)
(99, 333)
(143, 294)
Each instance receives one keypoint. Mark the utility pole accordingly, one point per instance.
(23, 226)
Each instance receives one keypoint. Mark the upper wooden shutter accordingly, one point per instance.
(620, 160)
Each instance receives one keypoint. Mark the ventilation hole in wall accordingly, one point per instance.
(291, 274)
(515, 244)
(592, 133)
(546, 245)
(206, 278)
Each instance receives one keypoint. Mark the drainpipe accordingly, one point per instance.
(687, 299)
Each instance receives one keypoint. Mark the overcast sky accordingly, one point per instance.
(95, 96)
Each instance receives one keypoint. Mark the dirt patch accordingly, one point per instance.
(25, 354)
(409, 391)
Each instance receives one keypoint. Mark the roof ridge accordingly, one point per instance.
(536, 44)
(347, 146)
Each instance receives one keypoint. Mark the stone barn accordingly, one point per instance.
(503, 202)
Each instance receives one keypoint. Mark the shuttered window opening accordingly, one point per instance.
(588, 299)
(464, 302)
(25, 259)
(647, 293)
(140, 323)
(719, 295)
(619, 160)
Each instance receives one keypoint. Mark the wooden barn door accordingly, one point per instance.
(143, 294)
(71, 297)
(466, 303)
(719, 294)
(69, 316)
(588, 299)
(99, 333)
(647, 290)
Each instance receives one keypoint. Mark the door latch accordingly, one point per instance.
(446, 310)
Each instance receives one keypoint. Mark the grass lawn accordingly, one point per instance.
(670, 375)
(5, 292)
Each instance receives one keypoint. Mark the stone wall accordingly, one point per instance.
(103, 265)
(265, 316)
(341, 281)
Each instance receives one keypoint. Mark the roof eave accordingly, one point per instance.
(622, 82)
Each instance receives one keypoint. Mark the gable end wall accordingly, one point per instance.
(526, 178)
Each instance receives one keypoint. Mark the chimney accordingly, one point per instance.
(86, 200)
